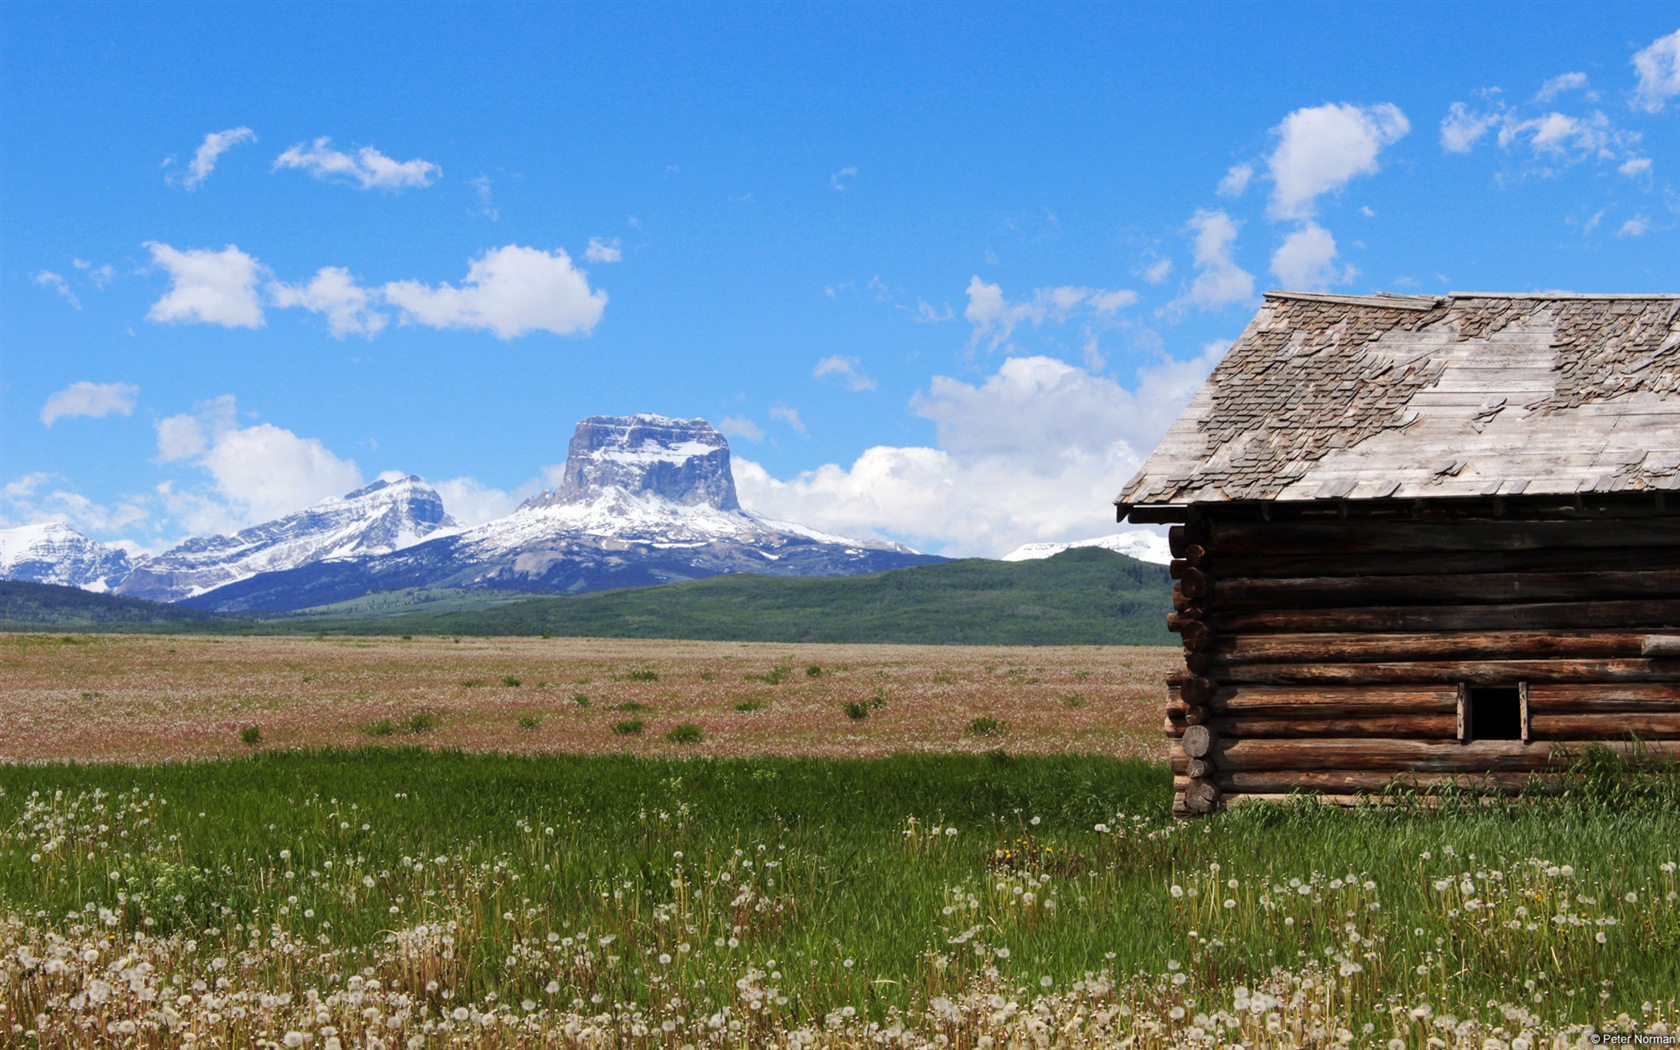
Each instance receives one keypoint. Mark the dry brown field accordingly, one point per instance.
(148, 698)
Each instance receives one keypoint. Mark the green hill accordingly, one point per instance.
(48, 607)
(1084, 596)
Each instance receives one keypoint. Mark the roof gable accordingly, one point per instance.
(1374, 397)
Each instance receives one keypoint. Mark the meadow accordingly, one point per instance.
(971, 888)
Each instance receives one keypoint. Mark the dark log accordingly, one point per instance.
(1198, 741)
(1349, 781)
(1196, 690)
(1391, 537)
(1551, 615)
(1332, 701)
(1199, 768)
(1197, 636)
(1201, 796)
(1440, 645)
(1195, 583)
(1476, 672)
(1176, 621)
(1195, 715)
(1586, 698)
(1172, 727)
(1176, 543)
(1176, 707)
(1500, 756)
(1334, 561)
(1603, 726)
(1491, 588)
(1198, 530)
(1175, 569)
(1199, 663)
(1440, 727)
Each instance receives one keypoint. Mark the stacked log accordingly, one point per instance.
(1336, 655)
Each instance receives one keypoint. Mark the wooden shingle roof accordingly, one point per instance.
(1402, 397)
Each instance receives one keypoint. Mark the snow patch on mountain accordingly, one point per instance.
(53, 552)
(1137, 543)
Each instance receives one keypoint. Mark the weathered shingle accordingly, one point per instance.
(1418, 396)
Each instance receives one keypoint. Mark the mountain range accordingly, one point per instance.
(643, 500)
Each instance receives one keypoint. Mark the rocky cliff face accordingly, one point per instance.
(388, 515)
(680, 461)
(55, 553)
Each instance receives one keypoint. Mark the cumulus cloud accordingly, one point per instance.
(790, 416)
(367, 167)
(1306, 260)
(1635, 166)
(995, 318)
(204, 159)
(41, 497)
(740, 427)
(1462, 128)
(472, 503)
(56, 281)
(847, 370)
(1559, 84)
(94, 400)
(1658, 67)
(208, 287)
(1035, 452)
(602, 251)
(1637, 226)
(255, 473)
(1236, 180)
(509, 291)
(332, 292)
(1219, 281)
(1158, 271)
(1321, 148)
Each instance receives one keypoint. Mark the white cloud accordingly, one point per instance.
(1036, 452)
(99, 275)
(601, 251)
(90, 399)
(1158, 271)
(841, 180)
(1236, 180)
(208, 287)
(740, 427)
(995, 318)
(1635, 166)
(1306, 260)
(486, 203)
(368, 167)
(790, 416)
(1461, 129)
(40, 497)
(927, 313)
(333, 292)
(1321, 148)
(1658, 67)
(472, 503)
(509, 291)
(56, 281)
(1219, 280)
(1637, 226)
(204, 160)
(1559, 84)
(256, 472)
(845, 369)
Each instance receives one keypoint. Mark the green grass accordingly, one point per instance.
(925, 871)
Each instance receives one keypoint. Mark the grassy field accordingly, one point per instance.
(139, 698)
(973, 888)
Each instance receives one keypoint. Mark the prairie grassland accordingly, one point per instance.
(151, 698)
(401, 897)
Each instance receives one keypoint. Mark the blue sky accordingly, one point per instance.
(943, 273)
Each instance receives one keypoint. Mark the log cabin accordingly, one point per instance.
(1423, 541)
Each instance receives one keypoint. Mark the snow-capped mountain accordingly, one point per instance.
(388, 515)
(1136, 543)
(55, 553)
(644, 500)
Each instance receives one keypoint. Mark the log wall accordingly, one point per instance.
(1332, 650)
